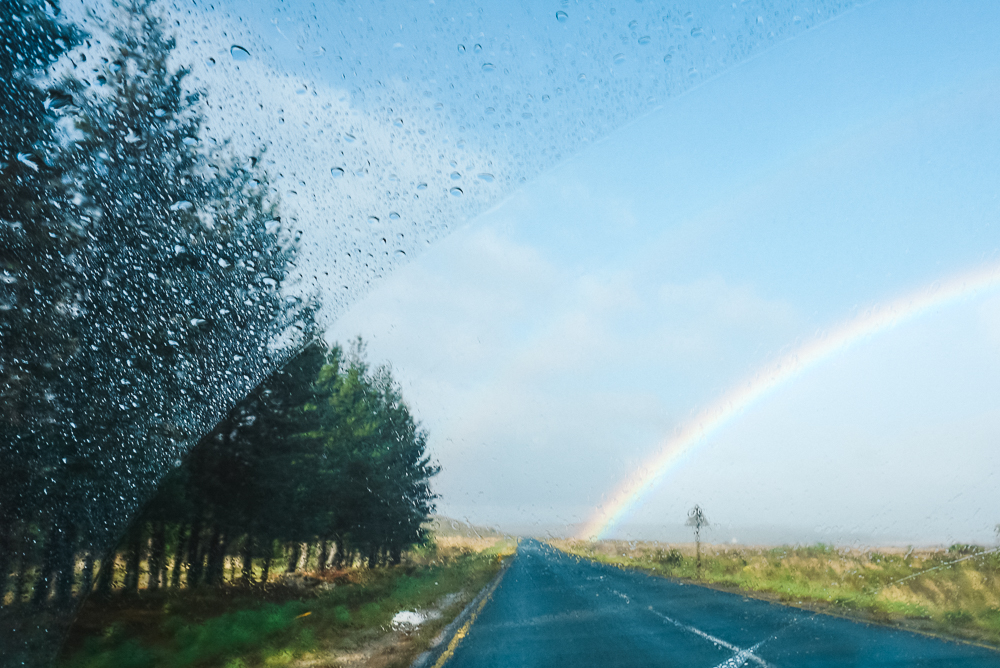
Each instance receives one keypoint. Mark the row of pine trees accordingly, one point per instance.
(147, 293)
(324, 453)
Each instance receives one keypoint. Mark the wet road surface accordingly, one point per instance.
(552, 609)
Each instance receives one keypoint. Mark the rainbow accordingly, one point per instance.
(674, 450)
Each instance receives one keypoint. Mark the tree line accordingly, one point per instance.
(147, 285)
(325, 453)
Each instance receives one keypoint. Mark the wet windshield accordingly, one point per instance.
(328, 326)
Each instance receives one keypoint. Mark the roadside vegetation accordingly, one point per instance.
(952, 592)
(340, 617)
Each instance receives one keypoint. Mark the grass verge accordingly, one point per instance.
(277, 625)
(953, 593)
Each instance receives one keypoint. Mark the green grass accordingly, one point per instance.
(248, 628)
(960, 600)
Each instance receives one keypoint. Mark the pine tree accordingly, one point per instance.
(37, 245)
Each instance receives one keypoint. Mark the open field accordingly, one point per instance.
(344, 619)
(953, 592)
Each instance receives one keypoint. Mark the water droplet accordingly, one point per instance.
(372, 220)
(239, 53)
(400, 253)
(645, 39)
(667, 58)
(58, 100)
(455, 176)
(461, 48)
(421, 186)
(632, 25)
(619, 58)
(545, 98)
(197, 322)
(188, 141)
(490, 110)
(337, 172)
(582, 77)
(485, 177)
(223, 263)
(457, 192)
(398, 122)
(211, 62)
(477, 48)
(692, 73)
(438, 106)
(562, 17)
(160, 113)
(349, 138)
(393, 215)
(697, 32)
(488, 67)
(272, 226)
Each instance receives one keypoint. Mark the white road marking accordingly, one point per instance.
(741, 655)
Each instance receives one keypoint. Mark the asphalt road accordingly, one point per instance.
(551, 609)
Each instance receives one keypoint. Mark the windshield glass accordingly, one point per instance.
(705, 291)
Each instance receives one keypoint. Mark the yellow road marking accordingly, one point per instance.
(461, 633)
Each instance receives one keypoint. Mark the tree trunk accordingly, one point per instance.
(157, 555)
(309, 554)
(194, 555)
(323, 557)
(338, 552)
(175, 574)
(396, 555)
(215, 569)
(265, 570)
(294, 552)
(372, 556)
(246, 555)
(133, 559)
(87, 576)
(106, 575)
(66, 566)
(43, 581)
(21, 581)
(6, 557)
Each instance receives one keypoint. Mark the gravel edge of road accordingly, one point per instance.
(443, 639)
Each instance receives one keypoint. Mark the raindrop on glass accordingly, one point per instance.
(455, 176)
(562, 17)
(239, 53)
(457, 192)
(337, 172)
(421, 186)
(400, 253)
(645, 39)
(697, 32)
(348, 137)
(398, 122)
(619, 58)
(461, 48)
(393, 216)
(477, 48)
(488, 67)
(486, 177)
(372, 220)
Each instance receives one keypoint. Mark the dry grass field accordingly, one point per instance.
(953, 592)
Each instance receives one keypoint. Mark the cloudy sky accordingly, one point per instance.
(571, 233)
(554, 342)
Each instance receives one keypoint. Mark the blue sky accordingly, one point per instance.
(554, 341)
(679, 196)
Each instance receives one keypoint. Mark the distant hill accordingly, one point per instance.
(447, 526)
